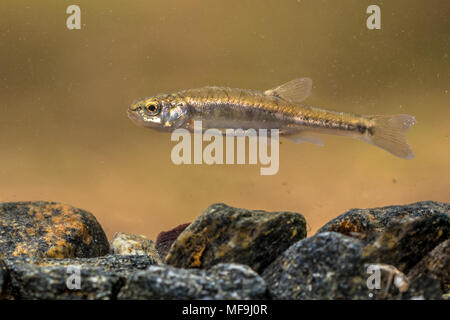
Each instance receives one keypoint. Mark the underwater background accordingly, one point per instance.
(65, 136)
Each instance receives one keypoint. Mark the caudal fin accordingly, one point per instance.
(389, 133)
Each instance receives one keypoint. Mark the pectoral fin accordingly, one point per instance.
(295, 91)
(306, 137)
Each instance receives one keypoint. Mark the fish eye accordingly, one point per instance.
(152, 108)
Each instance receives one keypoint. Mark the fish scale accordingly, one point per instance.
(232, 105)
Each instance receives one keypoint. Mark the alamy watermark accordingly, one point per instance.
(73, 21)
(374, 20)
(394, 277)
(213, 152)
(73, 281)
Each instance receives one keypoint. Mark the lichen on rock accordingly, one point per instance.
(49, 230)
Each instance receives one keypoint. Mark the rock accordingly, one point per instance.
(223, 281)
(99, 278)
(365, 222)
(226, 234)
(130, 244)
(4, 279)
(166, 238)
(328, 265)
(435, 265)
(424, 288)
(123, 264)
(31, 282)
(396, 235)
(49, 229)
(331, 265)
(405, 242)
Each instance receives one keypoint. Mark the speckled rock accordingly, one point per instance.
(226, 234)
(326, 266)
(49, 229)
(166, 238)
(362, 223)
(99, 278)
(223, 281)
(424, 288)
(435, 265)
(397, 235)
(130, 244)
(4, 277)
(406, 241)
(331, 265)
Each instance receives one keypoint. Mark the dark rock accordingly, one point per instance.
(131, 244)
(326, 266)
(227, 234)
(117, 263)
(223, 281)
(59, 283)
(4, 279)
(435, 265)
(424, 288)
(166, 238)
(366, 222)
(99, 278)
(405, 242)
(49, 229)
(331, 265)
(397, 235)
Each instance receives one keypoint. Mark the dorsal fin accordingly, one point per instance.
(294, 91)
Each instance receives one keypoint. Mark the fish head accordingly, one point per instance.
(165, 112)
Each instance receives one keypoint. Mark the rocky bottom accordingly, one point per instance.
(54, 251)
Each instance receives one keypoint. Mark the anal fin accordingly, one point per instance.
(305, 137)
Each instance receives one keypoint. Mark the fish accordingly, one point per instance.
(281, 108)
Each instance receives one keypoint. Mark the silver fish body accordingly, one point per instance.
(279, 108)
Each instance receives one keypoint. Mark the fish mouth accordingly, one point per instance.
(130, 113)
(134, 116)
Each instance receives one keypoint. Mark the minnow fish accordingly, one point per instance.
(279, 108)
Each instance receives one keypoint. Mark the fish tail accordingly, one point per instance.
(389, 133)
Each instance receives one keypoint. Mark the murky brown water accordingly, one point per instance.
(64, 134)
